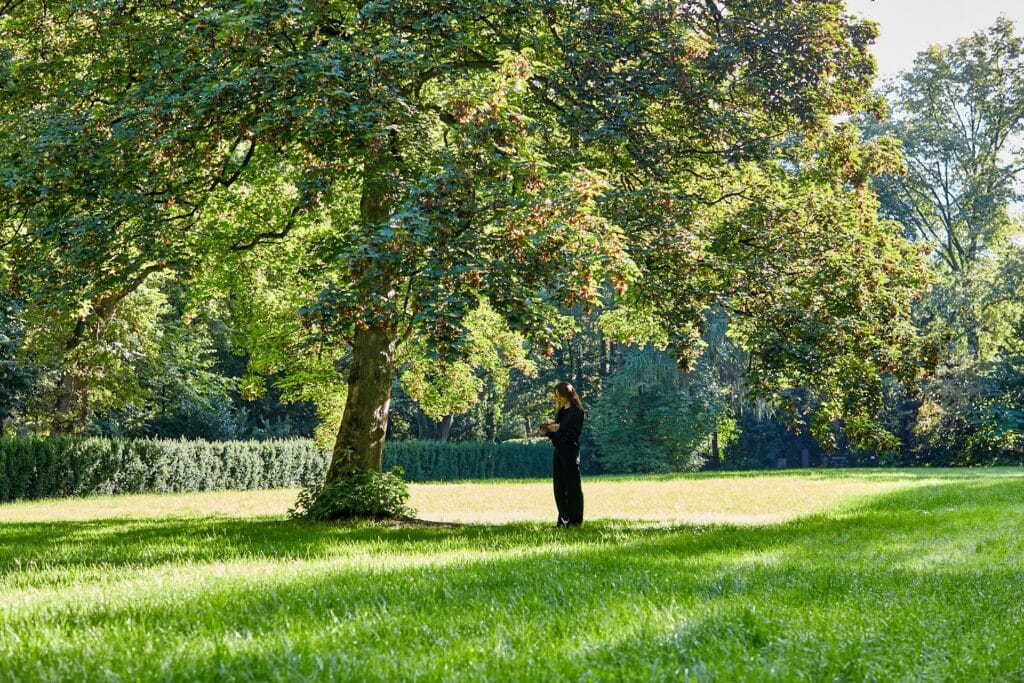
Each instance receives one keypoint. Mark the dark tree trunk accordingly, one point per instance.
(605, 365)
(716, 458)
(585, 360)
(68, 405)
(359, 446)
(973, 341)
(489, 419)
(424, 425)
(444, 427)
(364, 424)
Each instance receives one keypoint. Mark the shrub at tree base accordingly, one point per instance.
(374, 495)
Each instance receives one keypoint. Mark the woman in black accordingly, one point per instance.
(564, 433)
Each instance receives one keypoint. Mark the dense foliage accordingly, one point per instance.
(651, 418)
(390, 168)
(215, 221)
(44, 468)
(17, 376)
(960, 116)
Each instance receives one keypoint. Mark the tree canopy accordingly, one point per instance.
(391, 167)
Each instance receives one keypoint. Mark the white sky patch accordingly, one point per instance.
(909, 26)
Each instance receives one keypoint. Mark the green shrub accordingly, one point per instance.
(447, 461)
(44, 468)
(41, 468)
(374, 495)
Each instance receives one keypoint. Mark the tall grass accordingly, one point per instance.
(916, 582)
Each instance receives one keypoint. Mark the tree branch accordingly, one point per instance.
(440, 69)
(227, 182)
(276, 235)
(105, 306)
(9, 6)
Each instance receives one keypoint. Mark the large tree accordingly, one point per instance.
(436, 155)
(959, 113)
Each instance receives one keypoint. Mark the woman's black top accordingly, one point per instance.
(570, 424)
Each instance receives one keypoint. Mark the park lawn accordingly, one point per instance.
(857, 575)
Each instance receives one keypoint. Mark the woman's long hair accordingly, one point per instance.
(566, 390)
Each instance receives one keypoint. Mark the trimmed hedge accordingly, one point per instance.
(447, 461)
(33, 468)
(42, 468)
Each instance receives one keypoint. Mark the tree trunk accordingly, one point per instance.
(364, 424)
(605, 364)
(716, 458)
(444, 427)
(490, 426)
(66, 407)
(424, 425)
(973, 341)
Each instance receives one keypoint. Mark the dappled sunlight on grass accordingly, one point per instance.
(851, 586)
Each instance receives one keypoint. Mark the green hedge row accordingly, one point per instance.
(42, 468)
(440, 461)
(33, 468)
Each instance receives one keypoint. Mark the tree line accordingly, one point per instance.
(410, 220)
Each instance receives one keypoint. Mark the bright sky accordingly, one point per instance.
(909, 26)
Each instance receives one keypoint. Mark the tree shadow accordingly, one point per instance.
(142, 542)
(703, 599)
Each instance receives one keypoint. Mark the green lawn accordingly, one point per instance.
(867, 575)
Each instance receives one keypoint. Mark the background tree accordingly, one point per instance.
(653, 418)
(960, 115)
(16, 375)
(969, 412)
(444, 390)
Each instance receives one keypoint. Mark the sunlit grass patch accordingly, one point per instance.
(693, 500)
(731, 497)
(859, 577)
(229, 503)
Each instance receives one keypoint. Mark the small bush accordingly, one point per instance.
(375, 495)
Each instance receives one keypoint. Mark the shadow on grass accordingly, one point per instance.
(141, 542)
(854, 596)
